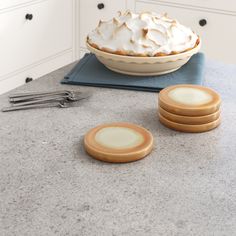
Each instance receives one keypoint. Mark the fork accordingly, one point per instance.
(30, 96)
(16, 95)
(50, 100)
(60, 104)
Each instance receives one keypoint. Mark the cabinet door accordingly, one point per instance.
(218, 37)
(28, 39)
(91, 11)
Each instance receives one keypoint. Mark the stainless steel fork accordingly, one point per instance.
(44, 100)
(60, 104)
(20, 97)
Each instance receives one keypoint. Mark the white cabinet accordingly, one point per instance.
(34, 34)
(26, 41)
(215, 28)
(91, 11)
(214, 33)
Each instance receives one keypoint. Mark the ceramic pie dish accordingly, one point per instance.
(143, 66)
(143, 44)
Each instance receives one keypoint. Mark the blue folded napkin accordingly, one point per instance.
(90, 72)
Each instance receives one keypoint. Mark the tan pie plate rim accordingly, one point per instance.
(102, 153)
(189, 128)
(189, 120)
(189, 110)
(143, 66)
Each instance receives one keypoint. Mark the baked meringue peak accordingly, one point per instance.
(144, 34)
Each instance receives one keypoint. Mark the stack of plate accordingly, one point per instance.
(189, 108)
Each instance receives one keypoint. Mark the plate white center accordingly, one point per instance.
(118, 137)
(190, 96)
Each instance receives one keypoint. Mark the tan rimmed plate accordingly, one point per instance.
(190, 120)
(189, 128)
(118, 142)
(143, 66)
(189, 100)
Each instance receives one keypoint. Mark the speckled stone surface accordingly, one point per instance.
(49, 186)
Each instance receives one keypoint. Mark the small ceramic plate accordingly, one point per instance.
(190, 120)
(189, 100)
(189, 128)
(118, 142)
(143, 66)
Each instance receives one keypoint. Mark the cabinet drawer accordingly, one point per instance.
(218, 38)
(229, 5)
(35, 72)
(26, 41)
(91, 11)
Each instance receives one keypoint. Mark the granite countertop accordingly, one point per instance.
(50, 186)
